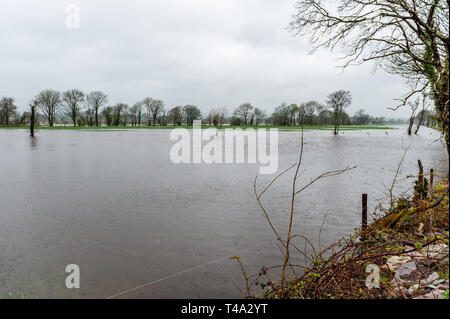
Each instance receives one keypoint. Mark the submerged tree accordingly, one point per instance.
(405, 37)
(337, 102)
(32, 105)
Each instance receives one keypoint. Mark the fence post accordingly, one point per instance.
(364, 212)
(431, 179)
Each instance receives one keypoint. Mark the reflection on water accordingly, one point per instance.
(33, 141)
(113, 203)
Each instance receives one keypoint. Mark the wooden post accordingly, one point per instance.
(421, 188)
(364, 211)
(431, 178)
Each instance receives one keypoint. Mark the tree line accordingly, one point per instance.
(91, 109)
(76, 108)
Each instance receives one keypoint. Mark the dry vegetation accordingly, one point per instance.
(412, 228)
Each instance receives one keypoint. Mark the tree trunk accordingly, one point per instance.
(335, 123)
(420, 122)
(442, 104)
(421, 188)
(444, 118)
(337, 118)
(411, 122)
(32, 120)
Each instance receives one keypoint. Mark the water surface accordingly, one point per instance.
(113, 203)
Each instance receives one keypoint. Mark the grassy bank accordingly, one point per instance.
(414, 233)
(282, 128)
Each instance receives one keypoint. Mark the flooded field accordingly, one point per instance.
(113, 203)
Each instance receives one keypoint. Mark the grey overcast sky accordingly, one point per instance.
(211, 53)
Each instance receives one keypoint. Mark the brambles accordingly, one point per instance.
(412, 236)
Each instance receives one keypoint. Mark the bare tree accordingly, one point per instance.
(421, 116)
(310, 109)
(301, 113)
(123, 118)
(108, 115)
(338, 101)
(175, 115)
(191, 113)
(139, 107)
(136, 113)
(321, 114)
(121, 114)
(73, 99)
(260, 115)
(162, 117)
(405, 37)
(218, 116)
(133, 114)
(154, 108)
(414, 106)
(96, 99)
(251, 116)
(88, 116)
(147, 102)
(49, 102)
(7, 109)
(281, 115)
(293, 110)
(243, 111)
(32, 106)
(118, 114)
(361, 118)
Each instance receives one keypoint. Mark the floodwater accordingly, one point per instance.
(113, 203)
